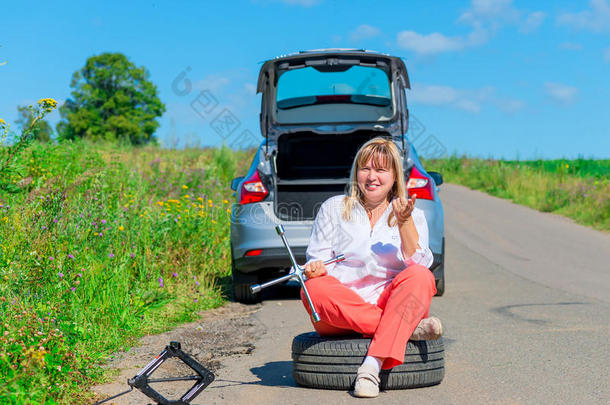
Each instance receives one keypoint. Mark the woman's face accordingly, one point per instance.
(375, 182)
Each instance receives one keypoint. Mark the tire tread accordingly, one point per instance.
(332, 363)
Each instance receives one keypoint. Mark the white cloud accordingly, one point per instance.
(570, 46)
(485, 17)
(464, 99)
(212, 82)
(364, 31)
(491, 15)
(532, 22)
(433, 95)
(429, 44)
(469, 105)
(489, 11)
(596, 19)
(467, 100)
(607, 55)
(561, 93)
(250, 88)
(510, 105)
(435, 43)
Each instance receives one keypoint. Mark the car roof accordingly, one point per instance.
(305, 58)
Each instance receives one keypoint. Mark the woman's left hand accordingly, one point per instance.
(403, 207)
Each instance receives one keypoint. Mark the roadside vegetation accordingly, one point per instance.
(578, 189)
(99, 245)
(104, 236)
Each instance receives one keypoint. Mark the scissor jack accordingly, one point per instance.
(142, 380)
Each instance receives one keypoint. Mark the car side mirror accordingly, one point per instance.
(235, 182)
(437, 177)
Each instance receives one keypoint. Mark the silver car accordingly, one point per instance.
(318, 107)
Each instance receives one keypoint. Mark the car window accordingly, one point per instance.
(305, 83)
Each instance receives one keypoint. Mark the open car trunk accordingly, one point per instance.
(311, 167)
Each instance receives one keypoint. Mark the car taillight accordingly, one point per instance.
(420, 184)
(255, 252)
(252, 190)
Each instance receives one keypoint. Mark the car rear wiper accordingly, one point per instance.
(295, 102)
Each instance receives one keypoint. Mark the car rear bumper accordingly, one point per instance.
(253, 228)
(270, 258)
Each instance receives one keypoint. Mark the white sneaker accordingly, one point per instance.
(428, 329)
(367, 382)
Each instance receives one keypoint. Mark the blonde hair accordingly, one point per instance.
(384, 154)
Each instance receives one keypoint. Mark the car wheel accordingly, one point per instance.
(332, 363)
(440, 286)
(440, 282)
(241, 286)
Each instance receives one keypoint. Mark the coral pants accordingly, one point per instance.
(391, 322)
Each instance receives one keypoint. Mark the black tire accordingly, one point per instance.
(440, 283)
(332, 363)
(241, 286)
(440, 286)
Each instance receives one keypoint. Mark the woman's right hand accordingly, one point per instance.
(315, 269)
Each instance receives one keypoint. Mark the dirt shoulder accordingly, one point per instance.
(221, 333)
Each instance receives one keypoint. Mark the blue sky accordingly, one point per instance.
(503, 79)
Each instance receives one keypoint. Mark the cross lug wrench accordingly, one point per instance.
(297, 272)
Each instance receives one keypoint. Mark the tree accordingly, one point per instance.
(41, 130)
(112, 100)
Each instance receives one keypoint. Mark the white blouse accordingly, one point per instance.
(373, 257)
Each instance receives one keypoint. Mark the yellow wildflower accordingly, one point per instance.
(121, 228)
(38, 355)
(213, 221)
(225, 201)
(567, 166)
(210, 202)
(185, 187)
(48, 104)
(199, 198)
(2, 123)
(187, 196)
(160, 203)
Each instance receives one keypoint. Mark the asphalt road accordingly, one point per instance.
(526, 315)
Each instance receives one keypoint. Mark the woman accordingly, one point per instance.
(384, 288)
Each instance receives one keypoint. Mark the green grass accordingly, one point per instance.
(578, 189)
(103, 245)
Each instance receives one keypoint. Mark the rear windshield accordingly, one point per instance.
(355, 85)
